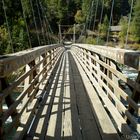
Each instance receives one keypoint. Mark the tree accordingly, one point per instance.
(124, 25)
(125, 7)
(135, 27)
(79, 18)
(86, 8)
(3, 39)
(103, 28)
(116, 10)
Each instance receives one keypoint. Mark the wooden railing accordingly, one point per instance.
(35, 67)
(28, 73)
(118, 93)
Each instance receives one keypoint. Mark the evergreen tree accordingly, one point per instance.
(86, 8)
(79, 18)
(104, 27)
(135, 27)
(125, 7)
(124, 25)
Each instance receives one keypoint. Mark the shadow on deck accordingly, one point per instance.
(65, 111)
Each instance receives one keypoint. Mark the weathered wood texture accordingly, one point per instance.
(36, 64)
(100, 65)
(122, 56)
(68, 110)
(73, 96)
(11, 62)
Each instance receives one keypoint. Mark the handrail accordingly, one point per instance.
(119, 94)
(11, 62)
(127, 57)
(37, 65)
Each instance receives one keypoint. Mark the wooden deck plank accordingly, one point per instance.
(88, 124)
(40, 124)
(72, 127)
(70, 111)
(55, 123)
(67, 124)
(106, 128)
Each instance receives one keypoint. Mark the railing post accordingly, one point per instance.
(28, 80)
(84, 56)
(41, 67)
(47, 60)
(115, 79)
(90, 60)
(1, 111)
(109, 74)
(98, 66)
(9, 101)
(53, 56)
(135, 96)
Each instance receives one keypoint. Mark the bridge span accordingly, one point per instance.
(74, 93)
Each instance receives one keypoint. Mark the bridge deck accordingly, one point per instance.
(66, 110)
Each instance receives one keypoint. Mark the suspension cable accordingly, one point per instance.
(40, 21)
(86, 23)
(100, 22)
(50, 29)
(24, 16)
(112, 8)
(130, 16)
(8, 28)
(46, 23)
(38, 38)
(91, 9)
(96, 10)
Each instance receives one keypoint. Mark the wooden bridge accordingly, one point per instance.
(72, 93)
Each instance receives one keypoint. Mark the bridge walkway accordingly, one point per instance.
(70, 108)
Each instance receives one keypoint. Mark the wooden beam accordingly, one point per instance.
(11, 62)
(127, 57)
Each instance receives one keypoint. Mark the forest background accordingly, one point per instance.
(30, 23)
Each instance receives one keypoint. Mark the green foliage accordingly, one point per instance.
(104, 27)
(79, 17)
(90, 40)
(86, 7)
(100, 41)
(66, 12)
(124, 26)
(18, 36)
(3, 39)
(135, 27)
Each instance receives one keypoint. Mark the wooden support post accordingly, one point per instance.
(29, 79)
(74, 33)
(115, 79)
(41, 67)
(90, 61)
(50, 53)
(45, 60)
(98, 66)
(53, 55)
(60, 34)
(9, 101)
(1, 112)
(79, 52)
(135, 96)
(109, 74)
(48, 60)
(84, 56)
